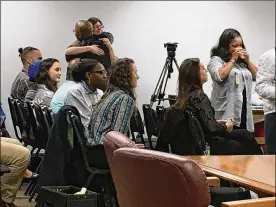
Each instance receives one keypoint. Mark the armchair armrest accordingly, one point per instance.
(213, 181)
(259, 202)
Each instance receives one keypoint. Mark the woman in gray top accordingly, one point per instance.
(47, 78)
(232, 73)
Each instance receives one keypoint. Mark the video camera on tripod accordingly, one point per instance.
(159, 92)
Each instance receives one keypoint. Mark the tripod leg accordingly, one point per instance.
(175, 62)
(160, 81)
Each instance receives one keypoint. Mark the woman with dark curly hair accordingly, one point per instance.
(115, 109)
(47, 78)
(232, 73)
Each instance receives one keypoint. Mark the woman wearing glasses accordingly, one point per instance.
(90, 76)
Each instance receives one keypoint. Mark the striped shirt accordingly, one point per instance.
(30, 96)
(20, 86)
(111, 114)
(43, 95)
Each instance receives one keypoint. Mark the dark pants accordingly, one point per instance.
(237, 142)
(270, 133)
(97, 158)
(243, 113)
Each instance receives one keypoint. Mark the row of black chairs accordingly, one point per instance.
(153, 120)
(32, 125)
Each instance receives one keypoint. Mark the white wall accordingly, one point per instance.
(140, 30)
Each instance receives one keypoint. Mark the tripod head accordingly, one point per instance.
(171, 48)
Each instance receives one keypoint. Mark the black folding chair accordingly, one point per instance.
(78, 144)
(41, 125)
(137, 126)
(151, 123)
(15, 122)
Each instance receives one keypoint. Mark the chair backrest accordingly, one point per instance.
(11, 103)
(136, 123)
(150, 117)
(115, 140)
(78, 137)
(32, 118)
(137, 126)
(149, 178)
(38, 124)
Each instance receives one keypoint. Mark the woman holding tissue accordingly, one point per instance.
(232, 73)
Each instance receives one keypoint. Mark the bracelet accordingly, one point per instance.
(232, 61)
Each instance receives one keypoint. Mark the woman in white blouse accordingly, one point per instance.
(232, 73)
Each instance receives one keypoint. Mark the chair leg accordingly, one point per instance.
(142, 139)
(32, 182)
(109, 191)
(150, 142)
(33, 191)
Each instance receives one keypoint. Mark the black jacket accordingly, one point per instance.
(95, 40)
(58, 163)
(185, 130)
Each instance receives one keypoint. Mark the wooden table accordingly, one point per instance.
(257, 172)
(258, 115)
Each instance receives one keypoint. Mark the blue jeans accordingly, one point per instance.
(270, 133)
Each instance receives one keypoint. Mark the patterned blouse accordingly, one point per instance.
(111, 114)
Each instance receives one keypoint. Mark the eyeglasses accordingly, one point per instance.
(102, 72)
(99, 26)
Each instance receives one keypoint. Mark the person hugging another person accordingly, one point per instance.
(47, 79)
(232, 73)
(90, 77)
(88, 46)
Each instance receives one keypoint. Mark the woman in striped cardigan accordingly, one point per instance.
(114, 111)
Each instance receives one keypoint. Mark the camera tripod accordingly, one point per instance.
(159, 91)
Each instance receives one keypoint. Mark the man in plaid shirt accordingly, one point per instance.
(20, 85)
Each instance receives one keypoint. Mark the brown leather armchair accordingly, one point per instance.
(145, 178)
(113, 141)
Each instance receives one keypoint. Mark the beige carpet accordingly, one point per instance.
(22, 200)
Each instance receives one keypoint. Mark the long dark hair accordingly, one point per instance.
(42, 76)
(120, 77)
(188, 78)
(222, 48)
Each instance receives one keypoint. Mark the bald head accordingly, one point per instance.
(83, 29)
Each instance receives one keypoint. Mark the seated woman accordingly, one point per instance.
(17, 158)
(47, 78)
(114, 111)
(90, 77)
(219, 134)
